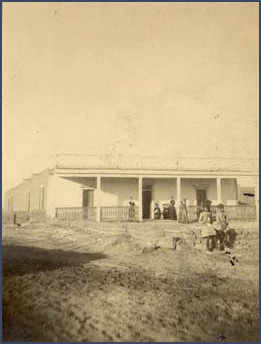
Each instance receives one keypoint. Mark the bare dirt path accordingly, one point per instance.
(96, 282)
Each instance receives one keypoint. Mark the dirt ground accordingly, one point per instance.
(83, 282)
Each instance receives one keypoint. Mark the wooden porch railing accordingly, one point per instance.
(234, 212)
(76, 213)
(122, 213)
(119, 213)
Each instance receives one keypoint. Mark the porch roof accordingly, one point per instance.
(143, 163)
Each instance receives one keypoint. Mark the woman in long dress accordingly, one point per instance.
(172, 210)
(183, 212)
(131, 210)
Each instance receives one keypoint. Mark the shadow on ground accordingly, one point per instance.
(19, 260)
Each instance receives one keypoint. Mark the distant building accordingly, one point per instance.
(104, 184)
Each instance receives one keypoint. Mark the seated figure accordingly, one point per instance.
(157, 212)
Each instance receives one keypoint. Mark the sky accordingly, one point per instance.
(171, 79)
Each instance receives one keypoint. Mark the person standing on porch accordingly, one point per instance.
(183, 212)
(172, 210)
(131, 210)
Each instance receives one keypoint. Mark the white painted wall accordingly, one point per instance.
(163, 190)
(114, 191)
(67, 193)
(228, 189)
(20, 192)
(188, 189)
(117, 191)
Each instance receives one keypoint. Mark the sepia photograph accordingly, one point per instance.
(130, 171)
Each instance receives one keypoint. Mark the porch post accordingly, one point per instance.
(237, 194)
(98, 199)
(178, 193)
(219, 196)
(140, 200)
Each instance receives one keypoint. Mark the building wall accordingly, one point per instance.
(189, 187)
(114, 191)
(163, 190)
(229, 190)
(19, 194)
(68, 193)
(39, 180)
(117, 191)
(248, 185)
(18, 197)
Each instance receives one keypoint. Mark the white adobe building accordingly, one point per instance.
(105, 183)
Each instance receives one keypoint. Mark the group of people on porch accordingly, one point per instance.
(170, 210)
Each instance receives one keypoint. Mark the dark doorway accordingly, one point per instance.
(201, 196)
(87, 198)
(146, 202)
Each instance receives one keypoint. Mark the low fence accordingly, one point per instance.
(119, 213)
(237, 212)
(193, 212)
(234, 212)
(241, 212)
(76, 213)
(24, 216)
(89, 213)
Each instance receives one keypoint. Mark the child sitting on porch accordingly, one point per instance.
(208, 232)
